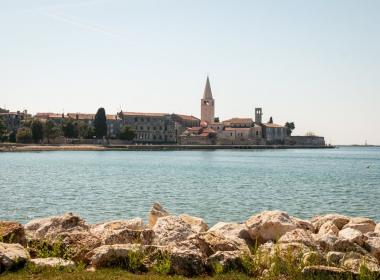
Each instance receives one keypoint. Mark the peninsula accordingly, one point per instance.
(125, 130)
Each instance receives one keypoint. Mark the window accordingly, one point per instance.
(141, 128)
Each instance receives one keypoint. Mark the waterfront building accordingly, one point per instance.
(55, 117)
(158, 127)
(274, 133)
(13, 120)
(207, 105)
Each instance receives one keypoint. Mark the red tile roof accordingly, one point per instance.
(138, 114)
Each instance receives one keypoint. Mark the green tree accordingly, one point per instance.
(37, 131)
(100, 123)
(52, 130)
(3, 129)
(70, 129)
(12, 137)
(126, 133)
(85, 131)
(270, 120)
(24, 135)
(289, 127)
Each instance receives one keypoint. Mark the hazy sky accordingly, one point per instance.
(316, 63)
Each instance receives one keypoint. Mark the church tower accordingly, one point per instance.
(207, 105)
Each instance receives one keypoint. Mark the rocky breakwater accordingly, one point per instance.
(271, 243)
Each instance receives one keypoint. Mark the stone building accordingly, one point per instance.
(57, 118)
(158, 128)
(207, 105)
(13, 120)
(274, 133)
(151, 127)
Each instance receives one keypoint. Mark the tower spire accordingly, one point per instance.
(207, 94)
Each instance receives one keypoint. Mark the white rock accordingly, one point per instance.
(338, 220)
(328, 228)
(353, 261)
(109, 255)
(363, 225)
(352, 235)
(52, 262)
(377, 228)
(233, 231)
(156, 212)
(12, 256)
(269, 225)
(298, 236)
(373, 246)
(122, 232)
(171, 229)
(197, 224)
(50, 227)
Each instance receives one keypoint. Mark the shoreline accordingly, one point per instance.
(11, 147)
(330, 245)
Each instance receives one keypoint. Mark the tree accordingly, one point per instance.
(3, 129)
(37, 131)
(100, 123)
(24, 135)
(52, 130)
(126, 133)
(85, 131)
(70, 129)
(270, 120)
(289, 128)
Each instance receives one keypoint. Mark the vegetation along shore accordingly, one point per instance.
(269, 245)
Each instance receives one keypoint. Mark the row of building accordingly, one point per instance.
(160, 128)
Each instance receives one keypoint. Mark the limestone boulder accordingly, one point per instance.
(211, 242)
(118, 255)
(197, 224)
(123, 232)
(372, 244)
(224, 261)
(298, 236)
(352, 235)
(353, 261)
(294, 249)
(234, 231)
(171, 229)
(78, 243)
(186, 261)
(12, 232)
(328, 228)
(363, 225)
(303, 224)
(325, 241)
(327, 272)
(377, 229)
(338, 220)
(52, 262)
(313, 258)
(269, 225)
(12, 256)
(157, 211)
(333, 258)
(345, 245)
(49, 228)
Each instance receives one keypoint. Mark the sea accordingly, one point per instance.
(217, 185)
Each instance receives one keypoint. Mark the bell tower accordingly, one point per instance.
(207, 105)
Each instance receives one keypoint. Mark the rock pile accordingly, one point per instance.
(326, 245)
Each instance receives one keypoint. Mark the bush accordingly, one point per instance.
(24, 135)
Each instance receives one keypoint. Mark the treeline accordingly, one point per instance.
(37, 130)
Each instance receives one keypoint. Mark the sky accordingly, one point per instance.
(315, 63)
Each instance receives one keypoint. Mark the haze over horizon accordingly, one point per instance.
(314, 63)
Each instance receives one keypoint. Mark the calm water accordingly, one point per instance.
(216, 185)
